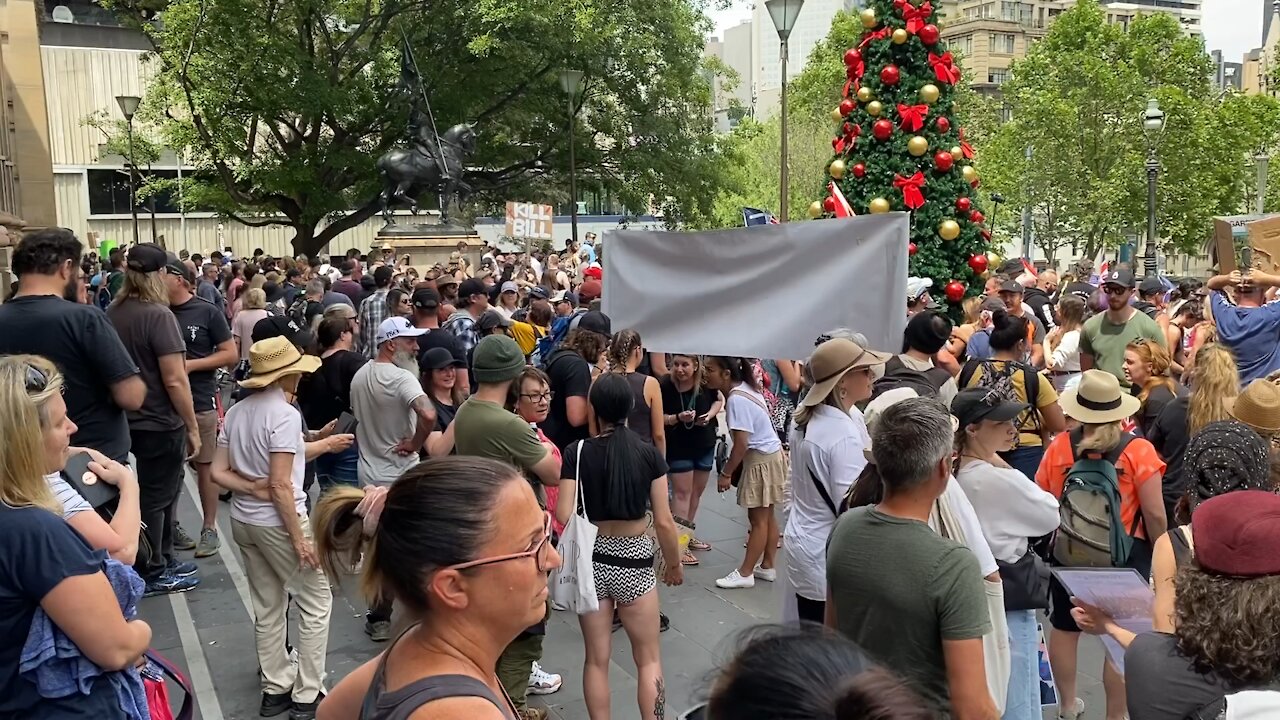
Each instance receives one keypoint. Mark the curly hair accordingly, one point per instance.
(589, 345)
(1157, 357)
(1228, 625)
(623, 344)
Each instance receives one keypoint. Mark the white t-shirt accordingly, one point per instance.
(829, 451)
(1010, 507)
(382, 396)
(255, 427)
(746, 411)
(962, 510)
(1066, 354)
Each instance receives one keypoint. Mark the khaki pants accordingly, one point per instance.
(274, 575)
(514, 665)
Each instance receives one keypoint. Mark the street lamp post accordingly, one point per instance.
(784, 14)
(570, 81)
(129, 106)
(1263, 164)
(1152, 126)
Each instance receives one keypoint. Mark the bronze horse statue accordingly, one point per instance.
(425, 166)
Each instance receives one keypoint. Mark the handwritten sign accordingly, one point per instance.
(529, 220)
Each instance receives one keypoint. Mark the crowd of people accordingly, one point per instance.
(437, 429)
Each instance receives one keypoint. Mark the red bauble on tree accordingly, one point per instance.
(852, 57)
(943, 161)
(829, 204)
(889, 75)
(911, 248)
(978, 263)
(976, 216)
(859, 170)
(929, 34)
(846, 106)
(882, 129)
(954, 291)
(963, 204)
(943, 125)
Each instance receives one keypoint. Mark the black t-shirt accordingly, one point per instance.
(326, 393)
(1162, 684)
(149, 332)
(1080, 289)
(204, 328)
(685, 443)
(594, 476)
(84, 346)
(38, 550)
(444, 414)
(570, 377)
(1170, 436)
(1157, 400)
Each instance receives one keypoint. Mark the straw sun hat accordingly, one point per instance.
(1259, 406)
(1098, 399)
(274, 358)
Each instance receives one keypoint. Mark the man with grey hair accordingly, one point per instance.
(923, 615)
(207, 287)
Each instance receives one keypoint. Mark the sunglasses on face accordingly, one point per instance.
(1114, 289)
(540, 551)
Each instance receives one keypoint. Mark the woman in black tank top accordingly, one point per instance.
(462, 546)
(625, 354)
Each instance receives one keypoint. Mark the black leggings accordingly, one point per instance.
(811, 610)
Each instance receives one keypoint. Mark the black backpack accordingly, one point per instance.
(926, 383)
(1000, 381)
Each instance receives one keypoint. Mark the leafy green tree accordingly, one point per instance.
(285, 105)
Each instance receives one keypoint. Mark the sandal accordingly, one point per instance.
(689, 559)
(696, 544)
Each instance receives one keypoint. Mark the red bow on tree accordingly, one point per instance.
(850, 87)
(916, 17)
(944, 68)
(871, 37)
(845, 142)
(912, 116)
(910, 187)
(965, 148)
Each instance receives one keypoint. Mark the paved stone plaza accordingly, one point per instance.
(209, 631)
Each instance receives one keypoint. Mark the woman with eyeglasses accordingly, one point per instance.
(530, 398)
(616, 477)
(464, 548)
(45, 565)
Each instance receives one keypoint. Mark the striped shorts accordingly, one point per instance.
(623, 568)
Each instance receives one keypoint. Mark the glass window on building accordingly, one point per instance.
(966, 45)
(997, 76)
(1001, 43)
(109, 192)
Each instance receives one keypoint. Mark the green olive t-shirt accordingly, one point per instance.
(899, 590)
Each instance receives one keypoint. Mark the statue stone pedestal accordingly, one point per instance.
(427, 245)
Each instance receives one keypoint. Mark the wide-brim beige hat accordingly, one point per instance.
(274, 358)
(1098, 399)
(832, 360)
(1259, 406)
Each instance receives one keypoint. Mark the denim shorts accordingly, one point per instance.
(334, 470)
(704, 463)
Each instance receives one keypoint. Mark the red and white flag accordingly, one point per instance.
(842, 206)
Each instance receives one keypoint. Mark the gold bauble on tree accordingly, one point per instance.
(956, 153)
(900, 36)
(868, 18)
(917, 145)
(949, 229)
(815, 209)
(865, 94)
(836, 116)
(929, 94)
(874, 108)
(879, 205)
(836, 169)
(969, 173)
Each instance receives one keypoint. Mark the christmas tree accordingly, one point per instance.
(898, 146)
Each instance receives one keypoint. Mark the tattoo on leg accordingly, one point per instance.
(660, 703)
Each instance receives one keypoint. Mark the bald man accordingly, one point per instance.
(1039, 296)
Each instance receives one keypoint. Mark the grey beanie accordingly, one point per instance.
(497, 358)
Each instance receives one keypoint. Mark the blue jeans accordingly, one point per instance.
(338, 469)
(1025, 460)
(1023, 701)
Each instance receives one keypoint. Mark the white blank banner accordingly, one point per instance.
(765, 291)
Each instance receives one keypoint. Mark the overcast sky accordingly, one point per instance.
(1233, 26)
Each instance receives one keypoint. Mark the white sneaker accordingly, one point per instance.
(542, 682)
(769, 575)
(735, 580)
(1076, 710)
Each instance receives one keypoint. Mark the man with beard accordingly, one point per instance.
(1039, 296)
(102, 379)
(447, 286)
(1105, 336)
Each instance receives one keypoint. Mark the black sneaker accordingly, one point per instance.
(305, 711)
(225, 496)
(180, 569)
(167, 583)
(273, 705)
(664, 622)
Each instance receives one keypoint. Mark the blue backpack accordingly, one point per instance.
(548, 343)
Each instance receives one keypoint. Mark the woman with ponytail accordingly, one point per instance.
(615, 477)
(625, 354)
(462, 546)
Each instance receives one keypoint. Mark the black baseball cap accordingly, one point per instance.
(1151, 286)
(1012, 286)
(978, 404)
(438, 358)
(538, 292)
(146, 257)
(491, 319)
(174, 266)
(469, 287)
(426, 299)
(1121, 277)
(282, 326)
(596, 322)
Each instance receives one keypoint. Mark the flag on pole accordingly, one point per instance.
(753, 217)
(1031, 269)
(843, 209)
